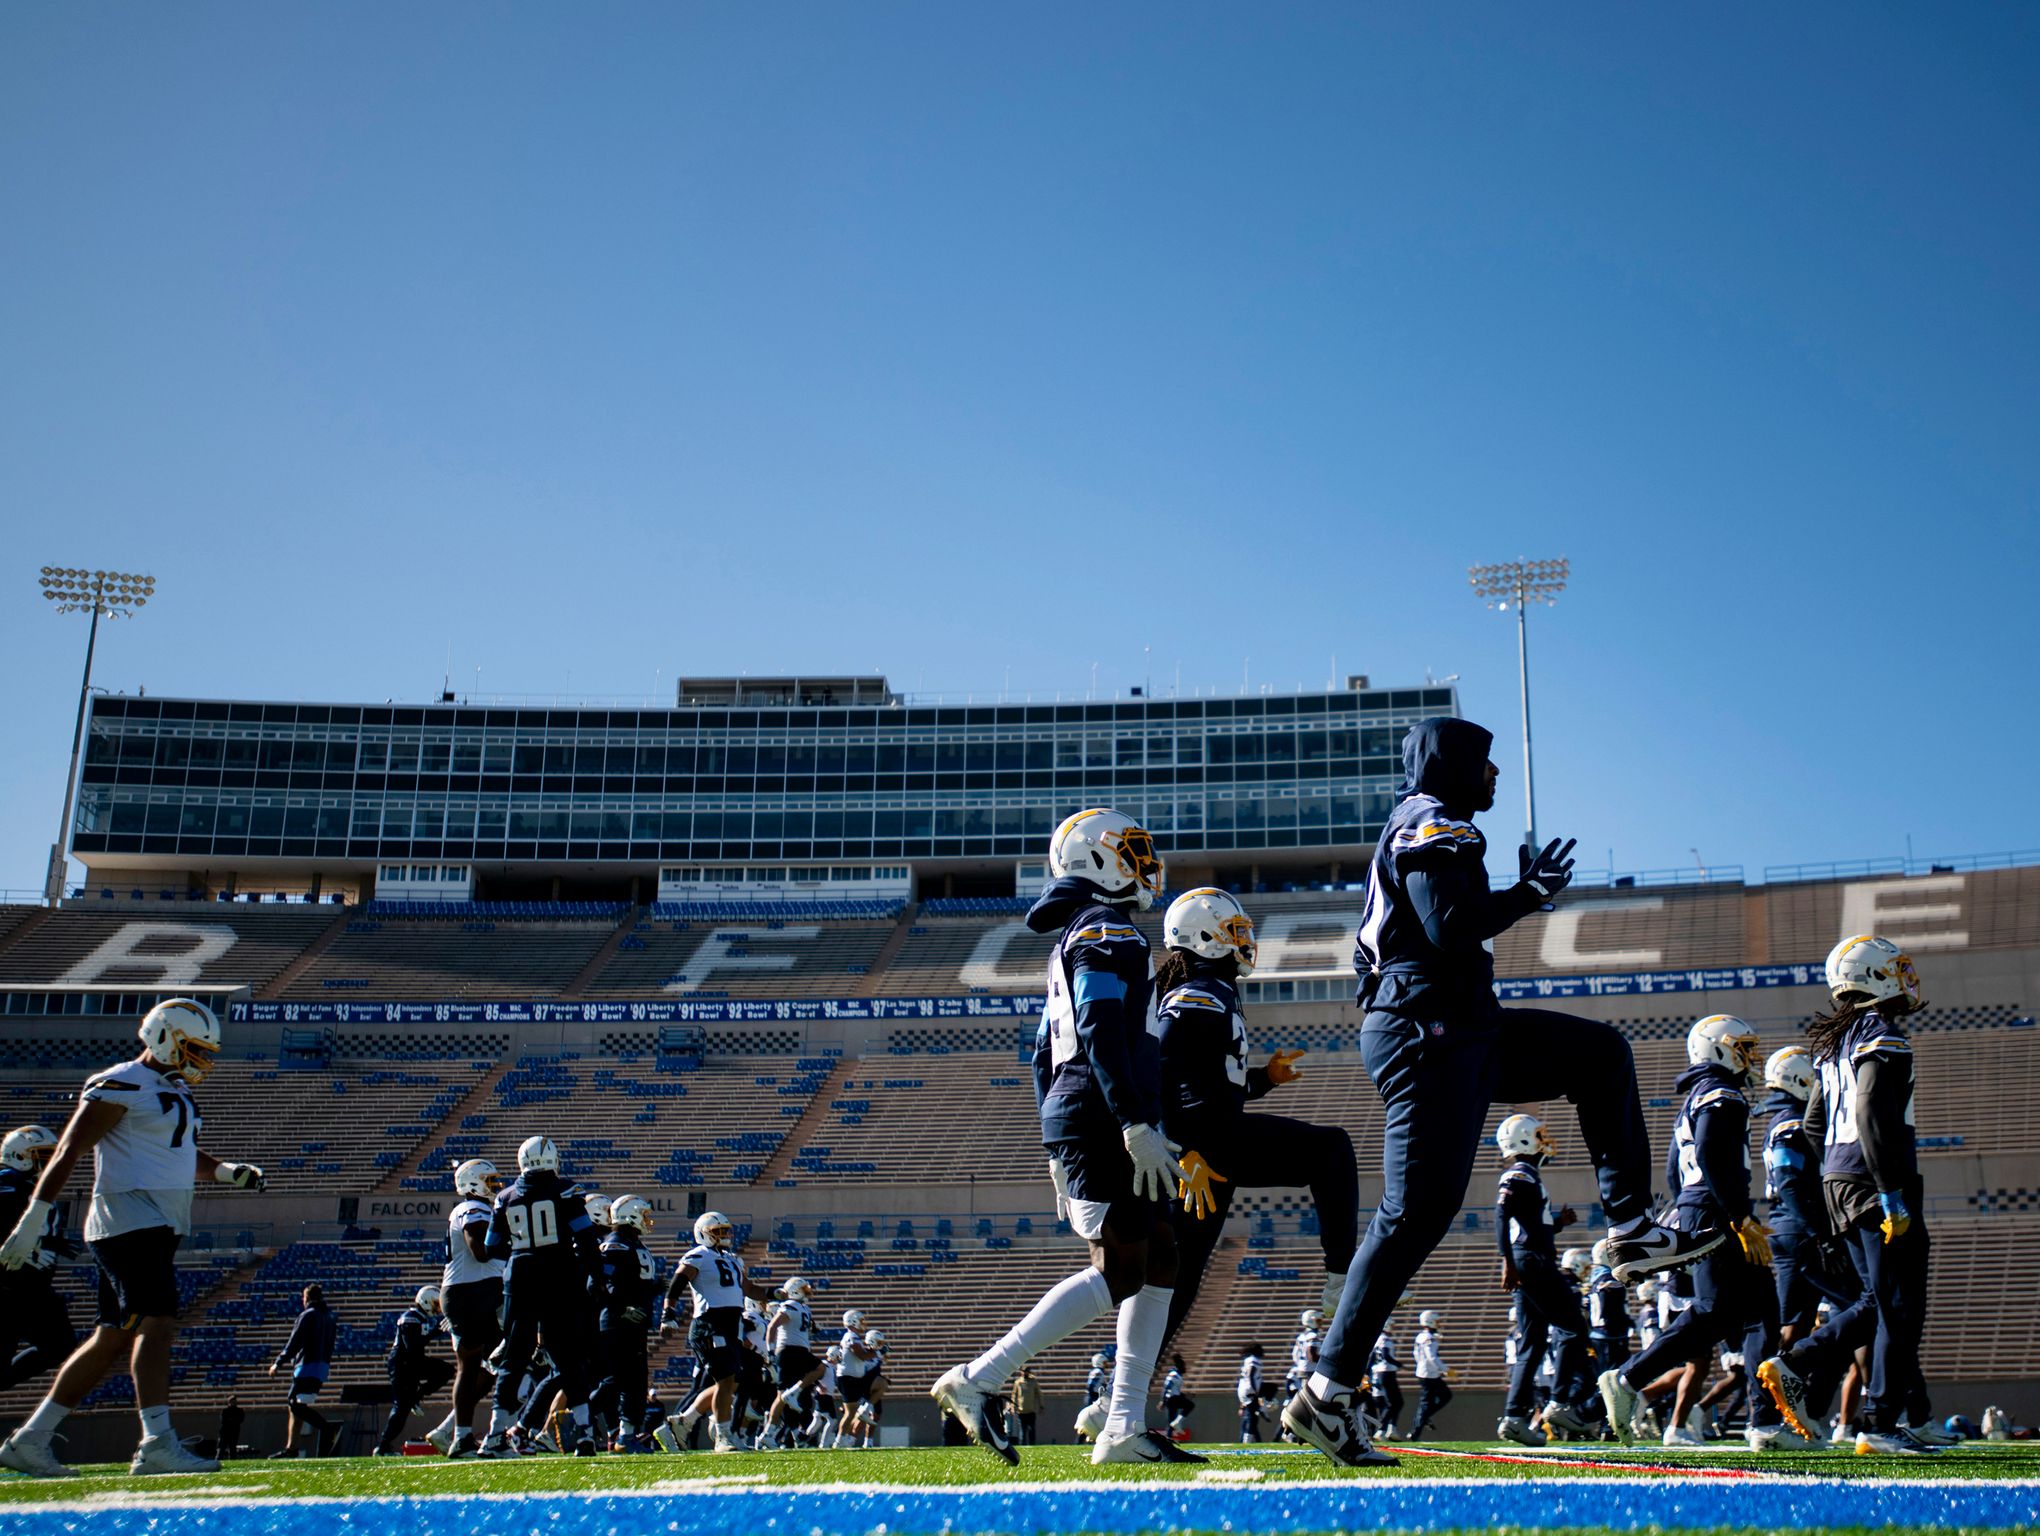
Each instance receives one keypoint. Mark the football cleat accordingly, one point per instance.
(1568, 1422)
(463, 1447)
(1788, 1390)
(1149, 1445)
(1519, 1429)
(159, 1454)
(440, 1438)
(498, 1448)
(1681, 1438)
(1655, 1248)
(31, 1454)
(1775, 1437)
(1896, 1441)
(980, 1414)
(1333, 1428)
(1091, 1421)
(1931, 1434)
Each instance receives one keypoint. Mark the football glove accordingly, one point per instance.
(1194, 1188)
(1897, 1219)
(1061, 1181)
(1281, 1071)
(1755, 1238)
(27, 1235)
(1156, 1173)
(240, 1176)
(634, 1315)
(1550, 871)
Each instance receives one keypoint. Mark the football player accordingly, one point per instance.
(1734, 1301)
(855, 1368)
(1384, 1375)
(1441, 1049)
(1097, 1078)
(1303, 1349)
(471, 1299)
(1433, 1393)
(865, 1419)
(629, 1273)
(539, 1226)
(1248, 1390)
(1176, 1403)
(716, 1278)
(1800, 1241)
(35, 1324)
(1860, 1114)
(414, 1375)
(1525, 1225)
(141, 1125)
(789, 1338)
(1607, 1310)
(309, 1352)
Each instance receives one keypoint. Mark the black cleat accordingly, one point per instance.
(1334, 1428)
(1656, 1248)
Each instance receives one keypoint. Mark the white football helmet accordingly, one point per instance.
(427, 1300)
(183, 1035)
(1604, 1253)
(834, 1354)
(1427, 1318)
(477, 1179)
(1113, 852)
(1209, 922)
(1310, 1318)
(798, 1289)
(1647, 1290)
(875, 1338)
(631, 1211)
(538, 1154)
(1867, 969)
(1791, 1069)
(599, 1209)
(853, 1320)
(28, 1146)
(1524, 1136)
(1576, 1262)
(1724, 1040)
(1099, 1362)
(712, 1229)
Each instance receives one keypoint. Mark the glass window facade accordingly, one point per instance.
(218, 780)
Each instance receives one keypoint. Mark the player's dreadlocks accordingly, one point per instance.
(1824, 1033)
(1174, 968)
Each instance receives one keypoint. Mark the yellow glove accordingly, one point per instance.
(1194, 1188)
(1897, 1219)
(1279, 1069)
(1755, 1239)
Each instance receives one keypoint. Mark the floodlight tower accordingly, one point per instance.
(103, 594)
(1522, 582)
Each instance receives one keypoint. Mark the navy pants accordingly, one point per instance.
(1271, 1152)
(1803, 1280)
(556, 1313)
(1734, 1303)
(1437, 1079)
(1388, 1395)
(35, 1327)
(1890, 1316)
(1552, 1321)
(1432, 1395)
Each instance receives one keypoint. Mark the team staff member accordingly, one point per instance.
(1441, 1050)
(140, 1124)
(309, 1350)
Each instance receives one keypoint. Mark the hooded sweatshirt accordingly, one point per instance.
(1206, 1080)
(1709, 1162)
(1422, 947)
(1097, 1067)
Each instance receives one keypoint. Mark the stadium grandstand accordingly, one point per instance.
(765, 952)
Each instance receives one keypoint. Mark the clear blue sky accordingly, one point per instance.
(600, 343)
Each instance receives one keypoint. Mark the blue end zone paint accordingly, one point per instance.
(1429, 1505)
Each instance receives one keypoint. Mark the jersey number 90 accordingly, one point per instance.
(532, 1226)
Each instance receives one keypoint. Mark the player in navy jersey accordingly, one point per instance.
(1734, 1301)
(414, 1374)
(1800, 1238)
(1097, 1074)
(1860, 1115)
(1208, 949)
(1440, 1050)
(540, 1226)
(1607, 1311)
(35, 1325)
(1549, 1299)
(628, 1275)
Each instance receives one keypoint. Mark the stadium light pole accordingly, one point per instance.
(103, 594)
(1522, 582)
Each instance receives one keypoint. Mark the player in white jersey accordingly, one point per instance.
(142, 1126)
(855, 1371)
(789, 1339)
(714, 1276)
(471, 1297)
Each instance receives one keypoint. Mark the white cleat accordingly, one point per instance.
(1149, 1445)
(440, 1438)
(1621, 1400)
(1655, 1248)
(1680, 1438)
(160, 1454)
(1898, 1441)
(981, 1416)
(31, 1454)
(1775, 1437)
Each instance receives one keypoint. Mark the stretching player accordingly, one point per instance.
(789, 1339)
(1206, 1086)
(629, 1276)
(1800, 1239)
(1097, 1075)
(35, 1324)
(1525, 1225)
(1384, 1370)
(471, 1297)
(713, 1273)
(141, 1126)
(1441, 1049)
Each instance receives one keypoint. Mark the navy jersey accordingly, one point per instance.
(1868, 1137)
(1607, 1304)
(1709, 1163)
(629, 1274)
(1791, 1168)
(1101, 1066)
(540, 1224)
(407, 1345)
(1523, 1220)
(17, 1188)
(1206, 1081)
(1422, 950)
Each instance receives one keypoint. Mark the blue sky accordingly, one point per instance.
(970, 343)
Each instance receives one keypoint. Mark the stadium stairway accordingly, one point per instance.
(307, 955)
(881, 963)
(27, 920)
(807, 1128)
(625, 925)
(478, 1099)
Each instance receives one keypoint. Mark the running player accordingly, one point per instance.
(35, 1324)
(629, 1274)
(715, 1276)
(1525, 1228)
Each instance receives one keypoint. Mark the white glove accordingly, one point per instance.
(1062, 1188)
(27, 1236)
(240, 1175)
(1156, 1173)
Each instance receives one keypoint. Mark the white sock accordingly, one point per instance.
(1082, 1298)
(1325, 1389)
(156, 1421)
(1143, 1318)
(43, 1423)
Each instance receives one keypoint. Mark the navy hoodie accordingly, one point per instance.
(1206, 1079)
(1791, 1168)
(1422, 947)
(1709, 1158)
(1097, 1068)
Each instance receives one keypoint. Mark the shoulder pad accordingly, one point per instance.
(1192, 996)
(1720, 1095)
(1516, 1173)
(1882, 1045)
(1435, 830)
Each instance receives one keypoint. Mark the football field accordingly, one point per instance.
(1437, 1487)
